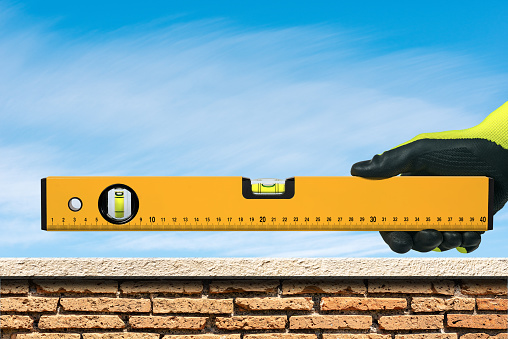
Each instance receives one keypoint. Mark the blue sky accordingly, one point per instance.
(257, 89)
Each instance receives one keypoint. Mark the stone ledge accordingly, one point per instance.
(200, 268)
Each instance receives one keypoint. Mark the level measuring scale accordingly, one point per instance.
(409, 203)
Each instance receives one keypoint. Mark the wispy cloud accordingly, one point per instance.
(208, 98)
(241, 244)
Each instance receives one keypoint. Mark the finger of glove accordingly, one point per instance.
(399, 241)
(427, 240)
(451, 239)
(470, 239)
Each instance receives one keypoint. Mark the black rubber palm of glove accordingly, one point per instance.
(454, 153)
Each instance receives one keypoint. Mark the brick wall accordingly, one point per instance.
(253, 309)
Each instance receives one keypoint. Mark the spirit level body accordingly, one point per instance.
(408, 203)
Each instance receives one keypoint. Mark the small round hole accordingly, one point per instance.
(75, 204)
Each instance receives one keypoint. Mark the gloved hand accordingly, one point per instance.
(481, 150)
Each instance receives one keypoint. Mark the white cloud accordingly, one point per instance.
(242, 244)
(21, 169)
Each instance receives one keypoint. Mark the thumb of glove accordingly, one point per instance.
(387, 164)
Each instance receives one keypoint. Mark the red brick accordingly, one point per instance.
(36, 335)
(120, 305)
(356, 336)
(362, 304)
(162, 286)
(121, 335)
(483, 321)
(192, 305)
(333, 322)
(251, 322)
(80, 321)
(240, 286)
(491, 304)
(201, 336)
(483, 287)
(16, 322)
(168, 322)
(427, 336)
(269, 303)
(76, 286)
(411, 322)
(330, 287)
(428, 304)
(28, 304)
(280, 336)
(13, 287)
(484, 336)
(412, 286)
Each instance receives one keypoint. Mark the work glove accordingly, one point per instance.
(481, 150)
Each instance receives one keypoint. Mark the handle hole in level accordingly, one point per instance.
(75, 204)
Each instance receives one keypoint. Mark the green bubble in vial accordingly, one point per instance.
(119, 204)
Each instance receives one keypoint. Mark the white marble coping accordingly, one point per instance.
(260, 268)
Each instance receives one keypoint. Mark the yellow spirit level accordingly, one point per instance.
(408, 203)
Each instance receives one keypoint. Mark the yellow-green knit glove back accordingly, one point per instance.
(493, 128)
